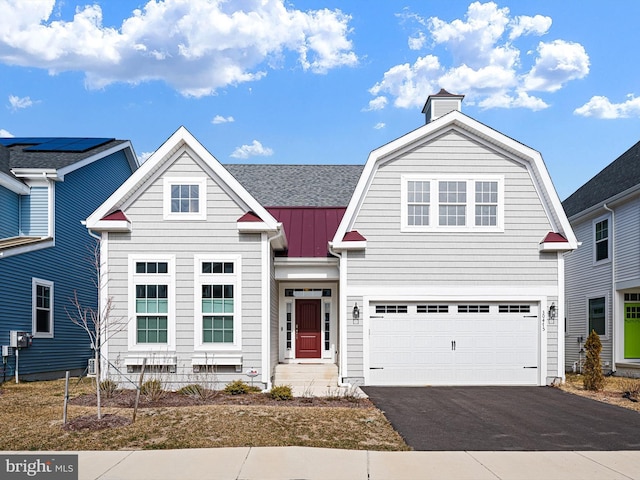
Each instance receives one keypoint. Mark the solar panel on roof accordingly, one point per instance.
(11, 141)
(68, 145)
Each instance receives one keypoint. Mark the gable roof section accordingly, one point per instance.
(180, 140)
(619, 178)
(298, 185)
(457, 121)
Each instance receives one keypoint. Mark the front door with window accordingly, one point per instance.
(632, 330)
(308, 330)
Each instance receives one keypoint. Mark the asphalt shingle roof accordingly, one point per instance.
(18, 158)
(620, 175)
(298, 185)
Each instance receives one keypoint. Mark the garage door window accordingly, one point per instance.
(473, 308)
(391, 309)
(433, 308)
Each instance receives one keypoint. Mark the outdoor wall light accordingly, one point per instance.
(356, 312)
(552, 313)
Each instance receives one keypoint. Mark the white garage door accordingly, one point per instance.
(453, 344)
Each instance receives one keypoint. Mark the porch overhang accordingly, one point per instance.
(307, 268)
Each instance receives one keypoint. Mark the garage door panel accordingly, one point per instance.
(452, 348)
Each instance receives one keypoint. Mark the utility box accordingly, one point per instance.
(19, 339)
(6, 351)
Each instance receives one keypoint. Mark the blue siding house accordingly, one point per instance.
(48, 186)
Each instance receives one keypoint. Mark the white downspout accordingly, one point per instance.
(266, 304)
(342, 318)
(614, 299)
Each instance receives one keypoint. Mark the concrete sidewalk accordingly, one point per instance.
(288, 463)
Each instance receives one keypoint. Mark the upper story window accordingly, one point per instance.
(452, 203)
(42, 308)
(185, 198)
(217, 302)
(151, 287)
(601, 240)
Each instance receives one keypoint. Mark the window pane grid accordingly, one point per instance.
(185, 198)
(486, 204)
(418, 198)
(152, 299)
(453, 198)
(218, 304)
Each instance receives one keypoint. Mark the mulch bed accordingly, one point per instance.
(92, 423)
(126, 399)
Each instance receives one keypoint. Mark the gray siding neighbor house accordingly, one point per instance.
(439, 261)
(603, 275)
(48, 186)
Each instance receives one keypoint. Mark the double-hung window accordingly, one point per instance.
(42, 308)
(217, 285)
(152, 287)
(185, 198)
(452, 203)
(601, 239)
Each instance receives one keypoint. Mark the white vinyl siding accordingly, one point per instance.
(508, 256)
(216, 237)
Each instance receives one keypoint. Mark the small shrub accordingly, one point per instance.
(630, 389)
(152, 390)
(238, 387)
(593, 376)
(108, 388)
(281, 392)
(192, 390)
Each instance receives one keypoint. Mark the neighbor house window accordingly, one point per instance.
(452, 204)
(42, 308)
(217, 322)
(151, 289)
(601, 232)
(597, 316)
(184, 198)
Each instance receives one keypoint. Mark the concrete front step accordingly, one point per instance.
(308, 379)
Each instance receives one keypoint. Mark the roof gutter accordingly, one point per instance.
(611, 201)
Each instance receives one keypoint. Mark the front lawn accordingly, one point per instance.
(31, 415)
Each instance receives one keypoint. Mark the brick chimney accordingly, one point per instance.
(440, 104)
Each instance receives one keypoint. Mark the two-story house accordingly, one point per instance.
(603, 275)
(439, 261)
(48, 186)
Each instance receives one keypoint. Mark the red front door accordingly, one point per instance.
(308, 341)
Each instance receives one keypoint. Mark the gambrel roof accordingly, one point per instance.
(619, 178)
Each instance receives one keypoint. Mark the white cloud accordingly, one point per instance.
(601, 107)
(144, 156)
(196, 46)
(220, 119)
(256, 149)
(558, 62)
(17, 103)
(377, 103)
(5, 133)
(417, 42)
(380, 125)
(485, 61)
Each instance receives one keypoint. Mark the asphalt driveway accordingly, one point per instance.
(505, 418)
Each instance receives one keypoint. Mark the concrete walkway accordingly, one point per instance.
(289, 463)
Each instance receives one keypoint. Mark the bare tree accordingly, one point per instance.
(97, 321)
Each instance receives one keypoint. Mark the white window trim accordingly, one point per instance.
(35, 282)
(434, 204)
(609, 240)
(152, 278)
(606, 316)
(234, 279)
(168, 182)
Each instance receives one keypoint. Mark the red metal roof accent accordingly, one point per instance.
(554, 237)
(353, 236)
(249, 217)
(308, 229)
(117, 215)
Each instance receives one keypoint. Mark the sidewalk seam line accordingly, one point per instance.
(115, 465)
(243, 463)
(483, 465)
(582, 454)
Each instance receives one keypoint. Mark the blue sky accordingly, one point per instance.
(266, 81)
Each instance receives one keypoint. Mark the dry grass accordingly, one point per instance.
(31, 414)
(617, 391)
